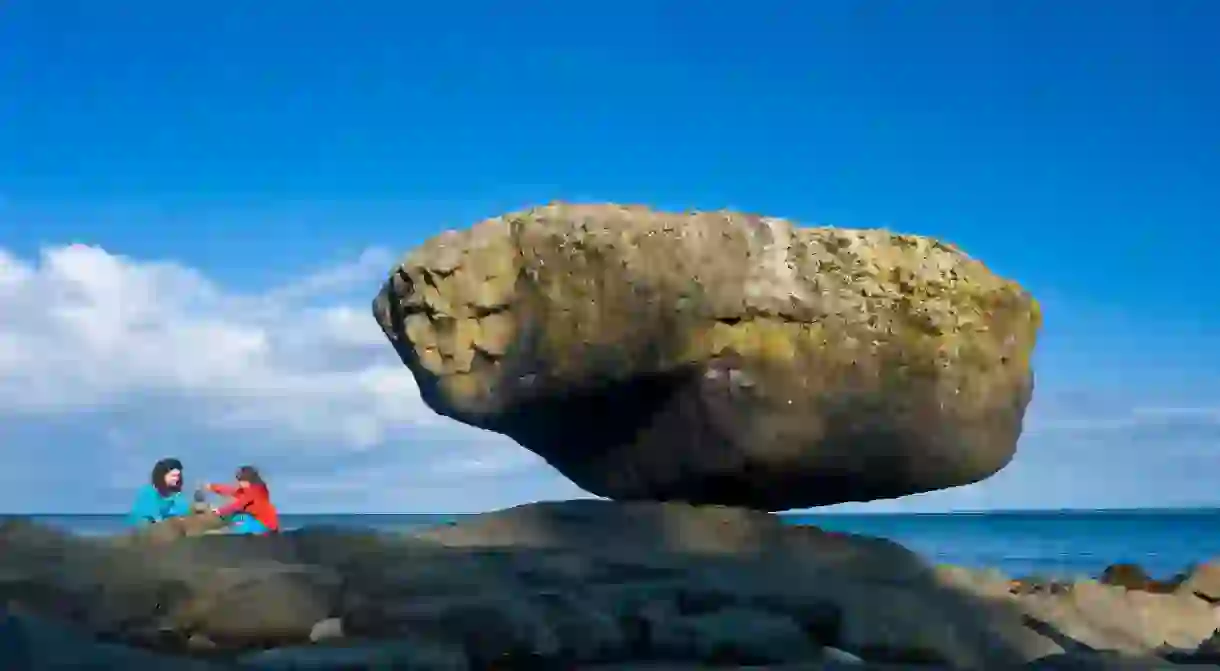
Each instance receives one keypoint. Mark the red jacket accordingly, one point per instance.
(254, 500)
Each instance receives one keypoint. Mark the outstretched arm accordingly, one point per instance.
(240, 503)
(223, 490)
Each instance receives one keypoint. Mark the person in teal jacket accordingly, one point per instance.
(163, 497)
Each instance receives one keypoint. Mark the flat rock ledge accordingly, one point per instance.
(573, 585)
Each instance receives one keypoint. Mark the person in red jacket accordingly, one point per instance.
(251, 509)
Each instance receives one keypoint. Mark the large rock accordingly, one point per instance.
(1112, 618)
(235, 590)
(538, 587)
(1204, 581)
(719, 357)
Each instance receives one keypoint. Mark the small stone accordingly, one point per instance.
(325, 630)
(835, 655)
(200, 643)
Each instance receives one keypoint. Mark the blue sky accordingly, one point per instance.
(198, 203)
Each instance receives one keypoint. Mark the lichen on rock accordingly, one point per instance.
(719, 357)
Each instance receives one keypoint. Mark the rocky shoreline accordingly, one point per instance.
(572, 585)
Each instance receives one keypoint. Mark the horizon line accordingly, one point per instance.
(889, 513)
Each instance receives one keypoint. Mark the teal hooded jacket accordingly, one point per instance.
(152, 505)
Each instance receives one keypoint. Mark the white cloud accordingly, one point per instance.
(373, 262)
(134, 355)
(1115, 416)
(86, 329)
(1202, 414)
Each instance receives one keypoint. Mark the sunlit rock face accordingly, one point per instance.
(719, 357)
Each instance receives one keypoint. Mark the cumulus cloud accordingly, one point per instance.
(86, 329)
(114, 360)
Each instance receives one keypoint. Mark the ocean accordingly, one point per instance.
(1052, 544)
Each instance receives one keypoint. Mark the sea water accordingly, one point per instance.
(1062, 544)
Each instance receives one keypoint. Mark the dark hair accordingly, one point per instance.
(250, 474)
(160, 470)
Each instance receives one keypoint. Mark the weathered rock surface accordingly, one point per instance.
(1203, 581)
(584, 584)
(719, 357)
(180, 527)
(32, 643)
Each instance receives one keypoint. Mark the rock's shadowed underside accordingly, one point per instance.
(719, 357)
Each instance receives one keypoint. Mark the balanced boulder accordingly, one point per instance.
(719, 357)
